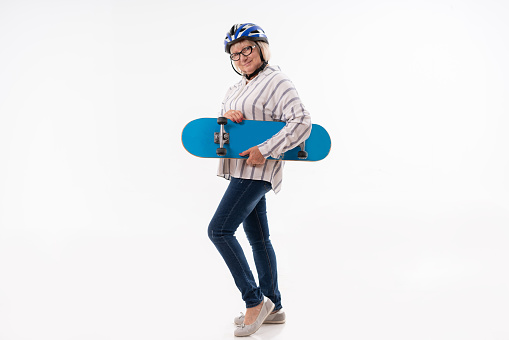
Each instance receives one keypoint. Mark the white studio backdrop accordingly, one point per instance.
(400, 233)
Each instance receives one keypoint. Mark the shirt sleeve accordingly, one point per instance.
(287, 107)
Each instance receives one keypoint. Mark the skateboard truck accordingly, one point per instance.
(302, 154)
(221, 137)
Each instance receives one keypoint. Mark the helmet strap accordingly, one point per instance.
(233, 67)
(258, 70)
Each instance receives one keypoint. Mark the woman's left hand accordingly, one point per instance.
(255, 156)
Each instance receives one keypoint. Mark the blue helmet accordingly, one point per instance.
(240, 32)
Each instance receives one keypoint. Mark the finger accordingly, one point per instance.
(230, 116)
(250, 161)
(238, 116)
(245, 153)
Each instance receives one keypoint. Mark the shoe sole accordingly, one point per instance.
(274, 322)
(266, 322)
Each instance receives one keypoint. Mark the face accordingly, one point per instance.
(250, 63)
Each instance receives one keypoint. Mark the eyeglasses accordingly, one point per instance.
(245, 52)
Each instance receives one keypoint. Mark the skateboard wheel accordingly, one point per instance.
(302, 154)
(221, 151)
(222, 120)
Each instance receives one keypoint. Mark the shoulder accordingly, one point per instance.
(274, 72)
(274, 77)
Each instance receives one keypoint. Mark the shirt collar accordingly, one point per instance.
(267, 71)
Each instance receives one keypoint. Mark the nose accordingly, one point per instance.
(243, 58)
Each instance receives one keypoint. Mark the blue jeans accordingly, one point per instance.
(244, 202)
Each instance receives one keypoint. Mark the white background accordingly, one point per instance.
(401, 233)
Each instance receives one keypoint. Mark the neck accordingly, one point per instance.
(255, 73)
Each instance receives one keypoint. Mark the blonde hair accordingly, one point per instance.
(265, 51)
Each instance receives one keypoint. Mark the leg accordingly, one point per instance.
(257, 230)
(239, 200)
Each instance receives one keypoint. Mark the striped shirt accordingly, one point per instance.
(270, 96)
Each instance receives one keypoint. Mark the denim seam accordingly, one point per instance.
(266, 253)
(223, 237)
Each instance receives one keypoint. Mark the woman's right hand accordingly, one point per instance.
(234, 115)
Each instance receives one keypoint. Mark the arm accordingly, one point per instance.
(289, 108)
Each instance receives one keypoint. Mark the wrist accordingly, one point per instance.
(264, 150)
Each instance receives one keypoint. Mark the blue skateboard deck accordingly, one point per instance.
(199, 140)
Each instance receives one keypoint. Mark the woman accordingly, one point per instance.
(263, 93)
